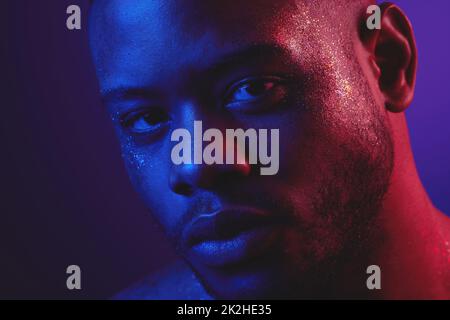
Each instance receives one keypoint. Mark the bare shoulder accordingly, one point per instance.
(445, 226)
(445, 223)
(175, 282)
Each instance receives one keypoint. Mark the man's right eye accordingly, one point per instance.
(146, 121)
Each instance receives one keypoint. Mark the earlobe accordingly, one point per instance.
(393, 55)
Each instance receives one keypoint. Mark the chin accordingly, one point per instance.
(257, 280)
(246, 287)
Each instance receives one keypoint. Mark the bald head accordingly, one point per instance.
(194, 26)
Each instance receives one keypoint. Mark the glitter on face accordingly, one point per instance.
(133, 156)
(317, 37)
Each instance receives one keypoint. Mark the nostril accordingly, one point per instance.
(180, 180)
(183, 189)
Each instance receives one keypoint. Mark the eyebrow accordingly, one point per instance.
(248, 54)
(127, 92)
(227, 62)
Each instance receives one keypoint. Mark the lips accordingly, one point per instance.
(231, 236)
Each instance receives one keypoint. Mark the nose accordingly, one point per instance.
(185, 179)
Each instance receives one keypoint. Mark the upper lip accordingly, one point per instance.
(225, 224)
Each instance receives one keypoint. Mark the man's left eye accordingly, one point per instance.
(255, 93)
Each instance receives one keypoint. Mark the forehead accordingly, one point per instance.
(130, 38)
(187, 19)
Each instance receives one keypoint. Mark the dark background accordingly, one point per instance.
(65, 198)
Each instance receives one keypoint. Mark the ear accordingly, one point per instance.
(393, 54)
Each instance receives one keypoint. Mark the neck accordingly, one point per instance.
(411, 241)
(414, 252)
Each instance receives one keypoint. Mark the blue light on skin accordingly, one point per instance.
(163, 65)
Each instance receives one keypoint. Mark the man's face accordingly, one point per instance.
(287, 65)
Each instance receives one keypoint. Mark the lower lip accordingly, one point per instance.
(244, 246)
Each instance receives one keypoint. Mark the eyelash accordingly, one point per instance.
(131, 118)
(128, 119)
(278, 83)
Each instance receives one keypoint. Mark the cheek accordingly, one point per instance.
(311, 150)
(140, 162)
(149, 171)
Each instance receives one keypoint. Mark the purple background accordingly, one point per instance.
(65, 197)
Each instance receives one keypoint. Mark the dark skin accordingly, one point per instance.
(347, 188)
